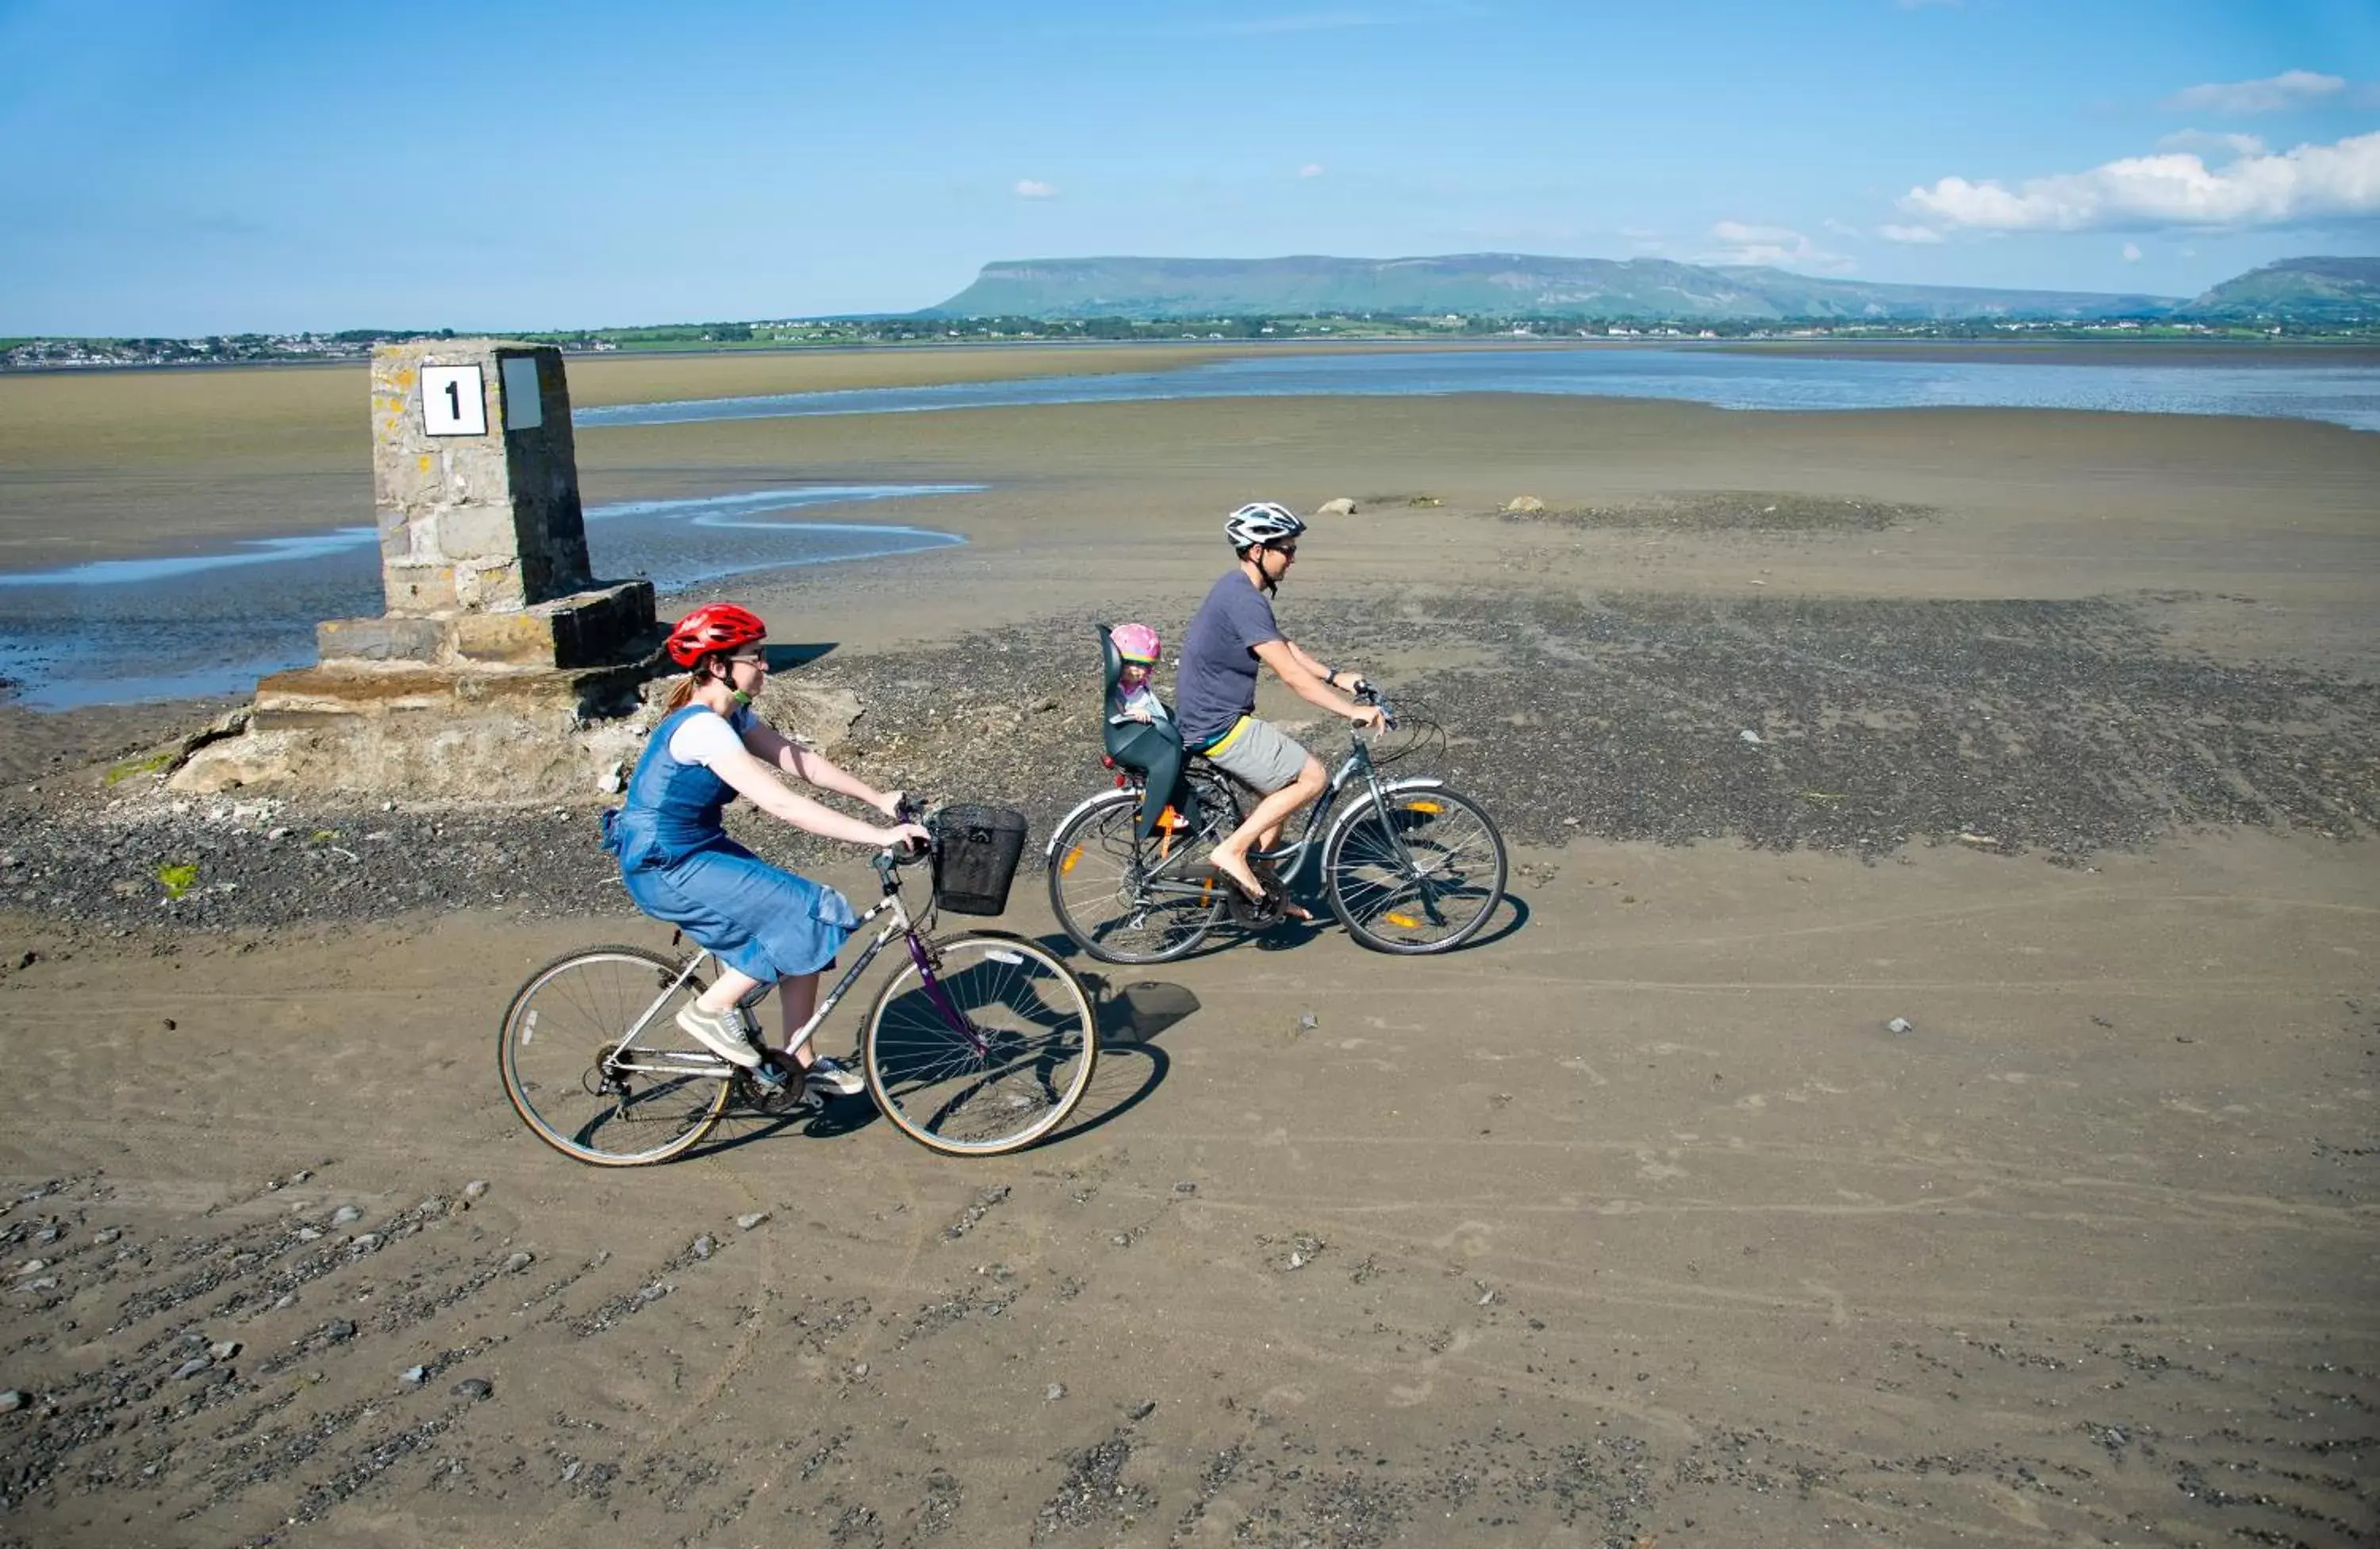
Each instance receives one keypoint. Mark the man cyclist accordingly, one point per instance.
(1215, 694)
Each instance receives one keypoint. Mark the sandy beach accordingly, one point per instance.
(2055, 736)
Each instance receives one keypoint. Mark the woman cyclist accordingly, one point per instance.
(763, 923)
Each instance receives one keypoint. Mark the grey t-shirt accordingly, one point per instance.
(1217, 681)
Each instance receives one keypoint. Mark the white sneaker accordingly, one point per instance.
(719, 1031)
(831, 1079)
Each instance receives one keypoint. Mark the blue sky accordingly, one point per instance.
(173, 168)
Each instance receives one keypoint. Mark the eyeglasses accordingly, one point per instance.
(755, 660)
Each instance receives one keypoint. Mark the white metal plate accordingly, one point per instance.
(453, 403)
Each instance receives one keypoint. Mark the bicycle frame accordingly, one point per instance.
(1290, 858)
(681, 1062)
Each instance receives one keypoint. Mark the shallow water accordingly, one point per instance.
(2341, 394)
(123, 632)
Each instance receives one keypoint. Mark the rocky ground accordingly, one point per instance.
(2065, 728)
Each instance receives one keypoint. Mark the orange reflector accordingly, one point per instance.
(1068, 864)
(1403, 922)
(1430, 807)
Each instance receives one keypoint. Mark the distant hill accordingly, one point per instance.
(1500, 285)
(2297, 290)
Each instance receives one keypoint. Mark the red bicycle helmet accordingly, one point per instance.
(713, 626)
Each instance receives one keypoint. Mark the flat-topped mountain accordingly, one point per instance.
(2297, 290)
(1499, 285)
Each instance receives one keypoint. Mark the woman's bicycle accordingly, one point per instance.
(1408, 865)
(980, 1043)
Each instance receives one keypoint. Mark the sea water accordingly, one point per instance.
(2342, 394)
(116, 631)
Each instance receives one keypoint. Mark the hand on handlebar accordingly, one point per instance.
(907, 840)
(1369, 715)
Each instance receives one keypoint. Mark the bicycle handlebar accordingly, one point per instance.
(1365, 694)
(892, 856)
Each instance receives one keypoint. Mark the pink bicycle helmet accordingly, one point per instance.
(1138, 644)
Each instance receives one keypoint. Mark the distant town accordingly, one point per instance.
(67, 354)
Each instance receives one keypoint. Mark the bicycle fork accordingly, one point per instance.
(960, 1023)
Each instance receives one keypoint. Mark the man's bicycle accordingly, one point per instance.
(980, 1043)
(1408, 865)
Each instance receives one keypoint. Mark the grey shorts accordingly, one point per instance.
(1260, 754)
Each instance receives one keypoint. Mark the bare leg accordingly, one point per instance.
(726, 990)
(796, 998)
(1262, 830)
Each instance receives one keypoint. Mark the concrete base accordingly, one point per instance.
(587, 629)
(481, 736)
(430, 734)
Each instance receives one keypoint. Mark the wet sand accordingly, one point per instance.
(1632, 1225)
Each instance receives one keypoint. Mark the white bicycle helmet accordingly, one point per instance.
(1262, 521)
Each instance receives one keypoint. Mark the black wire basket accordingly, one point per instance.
(976, 852)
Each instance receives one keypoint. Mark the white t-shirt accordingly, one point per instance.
(705, 739)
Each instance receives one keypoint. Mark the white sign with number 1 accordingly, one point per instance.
(453, 402)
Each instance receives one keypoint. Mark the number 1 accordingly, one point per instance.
(455, 400)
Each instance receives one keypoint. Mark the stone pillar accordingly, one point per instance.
(475, 477)
(483, 540)
(501, 670)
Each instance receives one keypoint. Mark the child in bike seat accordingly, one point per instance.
(1140, 730)
(1133, 697)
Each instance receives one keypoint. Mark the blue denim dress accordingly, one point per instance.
(681, 867)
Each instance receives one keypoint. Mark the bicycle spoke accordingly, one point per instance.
(1422, 877)
(557, 1037)
(1129, 901)
(1004, 1079)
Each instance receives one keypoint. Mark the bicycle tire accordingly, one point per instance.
(550, 1052)
(1039, 1044)
(1097, 889)
(1369, 885)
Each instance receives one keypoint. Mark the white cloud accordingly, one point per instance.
(2132, 252)
(1027, 188)
(2206, 141)
(1770, 245)
(1311, 169)
(2272, 94)
(1909, 234)
(2174, 189)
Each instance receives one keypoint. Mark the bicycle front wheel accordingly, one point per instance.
(1420, 875)
(579, 1090)
(1124, 900)
(989, 1053)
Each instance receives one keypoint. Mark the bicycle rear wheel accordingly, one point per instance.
(990, 1055)
(560, 1057)
(1113, 892)
(1420, 875)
